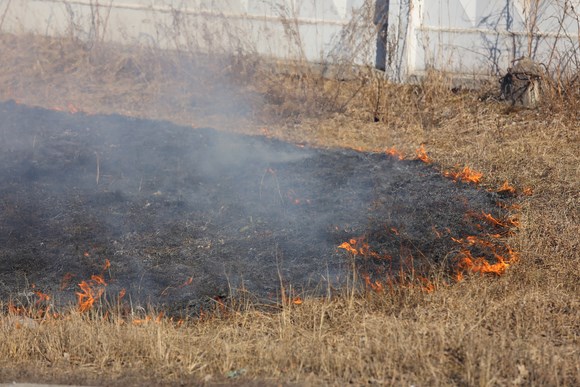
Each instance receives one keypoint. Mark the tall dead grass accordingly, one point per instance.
(522, 328)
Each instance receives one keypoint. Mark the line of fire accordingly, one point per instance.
(108, 211)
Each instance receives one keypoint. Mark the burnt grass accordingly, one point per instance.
(185, 215)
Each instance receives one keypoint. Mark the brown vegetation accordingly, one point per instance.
(522, 328)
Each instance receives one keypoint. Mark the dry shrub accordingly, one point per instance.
(563, 93)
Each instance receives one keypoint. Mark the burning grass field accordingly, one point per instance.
(495, 320)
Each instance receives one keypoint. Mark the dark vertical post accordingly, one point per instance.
(381, 20)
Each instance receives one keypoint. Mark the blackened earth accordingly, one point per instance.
(185, 215)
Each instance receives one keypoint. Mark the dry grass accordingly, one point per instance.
(522, 328)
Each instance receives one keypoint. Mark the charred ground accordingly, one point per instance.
(185, 215)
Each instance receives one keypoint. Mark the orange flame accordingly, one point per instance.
(490, 219)
(348, 247)
(394, 153)
(473, 240)
(513, 255)
(88, 296)
(506, 188)
(138, 321)
(481, 265)
(377, 286)
(467, 175)
(42, 297)
(426, 285)
(15, 310)
(511, 222)
(422, 154)
(98, 279)
(466, 261)
(91, 291)
(360, 247)
(514, 222)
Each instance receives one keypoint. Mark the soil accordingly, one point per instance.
(185, 216)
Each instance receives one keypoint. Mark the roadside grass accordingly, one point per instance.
(521, 328)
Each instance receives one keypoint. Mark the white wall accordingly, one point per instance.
(296, 29)
(485, 36)
(462, 36)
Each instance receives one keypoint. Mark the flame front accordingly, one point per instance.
(506, 188)
(90, 293)
(466, 262)
(482, 253)
(482, 265)
(359, 247)
(394, 153)
(422, 155)
(42, 297)
(466, 175)
(92, 290)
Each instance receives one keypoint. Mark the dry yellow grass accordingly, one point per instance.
(519, 329)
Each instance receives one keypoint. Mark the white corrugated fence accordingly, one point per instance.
(464, 37)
